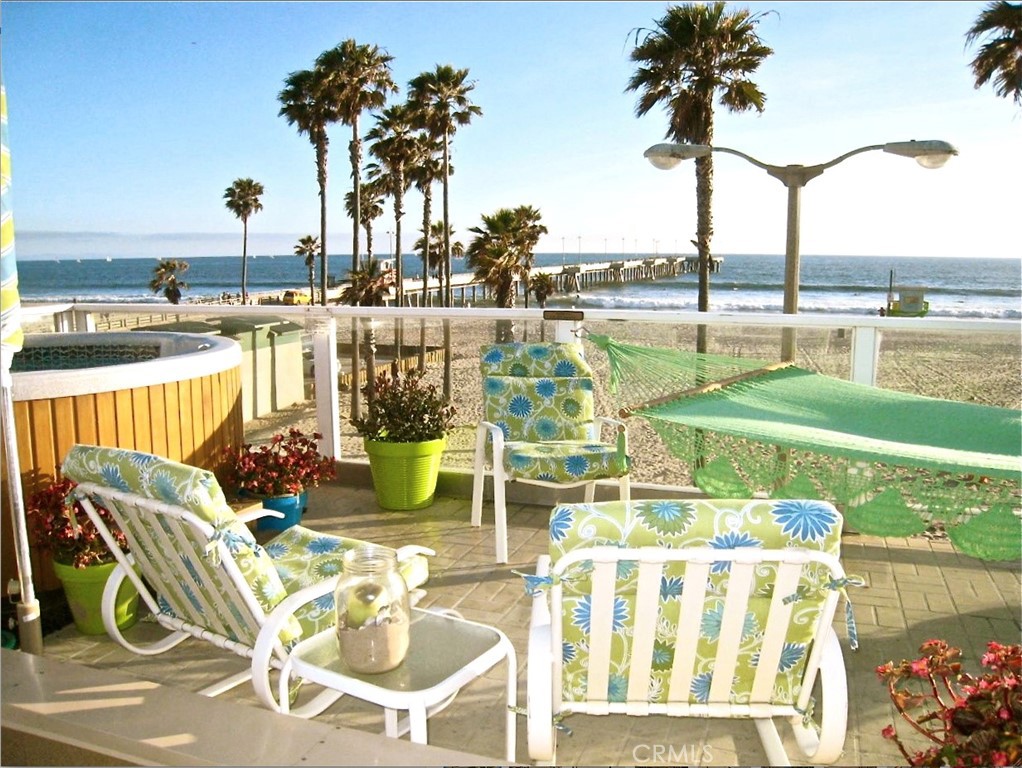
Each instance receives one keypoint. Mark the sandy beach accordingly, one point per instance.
(981, 368)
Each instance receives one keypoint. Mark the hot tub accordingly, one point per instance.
(177, 395)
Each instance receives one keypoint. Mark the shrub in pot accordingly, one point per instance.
(404, 432)
(83, 562)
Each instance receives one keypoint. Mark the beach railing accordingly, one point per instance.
(967, 359)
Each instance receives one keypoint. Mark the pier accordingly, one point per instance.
(568, 278)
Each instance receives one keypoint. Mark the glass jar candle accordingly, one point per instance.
(372, 610)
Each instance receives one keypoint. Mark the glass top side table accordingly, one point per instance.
(445, 653)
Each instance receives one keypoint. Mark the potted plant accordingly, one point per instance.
(961, 720)
(81, 559)
(404, 432)
(278, 473)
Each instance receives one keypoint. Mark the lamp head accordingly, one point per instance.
(929, 154)
(667, 156)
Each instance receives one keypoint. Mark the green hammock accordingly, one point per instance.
(897, 463)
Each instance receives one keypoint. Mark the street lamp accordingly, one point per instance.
(929, 154)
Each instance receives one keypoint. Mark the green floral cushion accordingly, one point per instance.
(198, 491)
(304, 557)
(722, 524)
(538, 409)
(541, 398)
(564, 462)
(562, 360)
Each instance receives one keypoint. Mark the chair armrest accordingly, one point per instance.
(411, 550)
(254, 514)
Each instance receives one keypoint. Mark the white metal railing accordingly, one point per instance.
(321, 323)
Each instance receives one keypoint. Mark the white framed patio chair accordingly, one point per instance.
(539, 426)
(691, 608)
(201, 573)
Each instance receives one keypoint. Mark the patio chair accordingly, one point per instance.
(540, 427)
(690, 608)
(200, 571)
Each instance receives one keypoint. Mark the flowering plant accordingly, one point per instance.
(968, 720)
(401, 408)
(287, 465)
(60, 526)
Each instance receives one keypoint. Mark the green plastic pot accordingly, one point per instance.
(83, 588)
(405, 474)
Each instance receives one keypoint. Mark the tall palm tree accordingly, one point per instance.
(303, 105)
(499, 255)
(395, 144)
(429, 167)
(530, 231)
(242, 199)
(166, 279)
(308, 246)
(356, 78)
(999, 58)
(368, 286)
(432, 247)
(543, 287)
(441, 106)
(370, 208)
(692, 55)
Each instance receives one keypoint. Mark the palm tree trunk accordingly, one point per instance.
(244, 261)
(704, 233)
(321, 178)
(355, 151)
(448, 294)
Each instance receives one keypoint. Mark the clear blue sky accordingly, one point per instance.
(129, 119)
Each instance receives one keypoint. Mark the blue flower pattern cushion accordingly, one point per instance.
(541, 398)
(715, 523)
(295, 558)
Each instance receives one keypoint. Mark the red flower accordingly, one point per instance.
(60, 525)
(287, 465)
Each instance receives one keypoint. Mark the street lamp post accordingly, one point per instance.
(929, 154)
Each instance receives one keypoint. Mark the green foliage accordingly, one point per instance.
(402, 408)
(60, 525)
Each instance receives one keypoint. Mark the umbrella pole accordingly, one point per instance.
(30, 629)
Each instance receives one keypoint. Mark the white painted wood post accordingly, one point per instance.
(865, 354)
(328, 410)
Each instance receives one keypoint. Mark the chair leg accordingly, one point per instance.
(479, 476)
(500, 515)
(626, 487)
(590, 492)
(771, 741)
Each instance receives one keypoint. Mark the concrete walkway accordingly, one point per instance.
(916, 589)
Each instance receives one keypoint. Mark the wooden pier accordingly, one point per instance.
(569, 278)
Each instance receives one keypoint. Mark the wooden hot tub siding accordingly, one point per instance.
(190, 421)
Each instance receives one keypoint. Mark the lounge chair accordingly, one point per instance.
(694, 608)
(540, 427)
(200, 571)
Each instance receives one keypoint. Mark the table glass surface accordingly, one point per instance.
(439, 646)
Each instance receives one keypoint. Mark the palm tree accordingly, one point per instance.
(396, 146)
(693, 54)
(999, 58)
(370, 208)
(440, 105)
(543, 287)
(243, 200)
(428, 167)
(303, 105)
(368, 286)
(500, 253)
(530, 232)
(432, 248)
(356, 78)
(308, 247)
(165, 279)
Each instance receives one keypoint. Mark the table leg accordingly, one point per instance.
(390, 723)
(512, 702)
(417, 723)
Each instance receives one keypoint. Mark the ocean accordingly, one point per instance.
(973, 287)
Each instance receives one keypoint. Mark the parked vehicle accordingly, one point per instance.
(293, 298)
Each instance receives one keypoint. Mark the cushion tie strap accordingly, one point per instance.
(841, 586)
(558, 719)
(223, 531)
(535, 584)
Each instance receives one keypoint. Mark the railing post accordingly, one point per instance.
(567, 324)
(328, 411)
(865, 354)
(84, 321)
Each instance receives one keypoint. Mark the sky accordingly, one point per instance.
(128, 120)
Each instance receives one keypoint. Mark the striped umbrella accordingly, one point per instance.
(11, 336)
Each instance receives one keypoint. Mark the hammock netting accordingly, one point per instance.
(897, 464)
